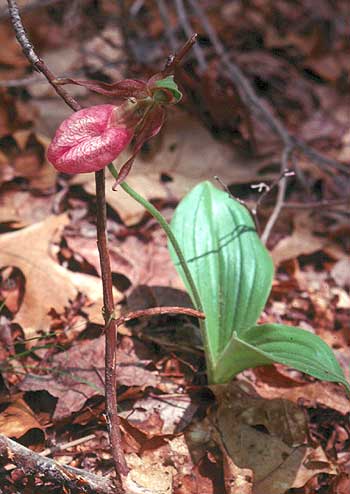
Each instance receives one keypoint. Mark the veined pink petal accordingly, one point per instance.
(88, 141)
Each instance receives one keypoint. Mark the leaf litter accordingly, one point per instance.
(272, 431)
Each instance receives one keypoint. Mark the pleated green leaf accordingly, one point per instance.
(231, 268)
(288, 345)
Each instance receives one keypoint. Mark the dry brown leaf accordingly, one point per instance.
(302, 240)
(300, 466)
(14, 114)
(318, 393)
(11, 56)
(143, 262)
(78, 374)
(161, 415)
(147, 477)
(21, 208)
(25, 156)
(48, 285)
(271, 455)
(17, 419)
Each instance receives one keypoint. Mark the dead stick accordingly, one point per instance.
(70, 444)
(157, 311)
(73, 479)
(111, 336)
(282, 186)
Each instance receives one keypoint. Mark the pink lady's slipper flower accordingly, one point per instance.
(91, 138)
(88, 140)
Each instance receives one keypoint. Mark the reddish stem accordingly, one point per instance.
(111, 334)
(110, 328)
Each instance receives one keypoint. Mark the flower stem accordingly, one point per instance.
(110, 331)
(172, 239)
(168, 231)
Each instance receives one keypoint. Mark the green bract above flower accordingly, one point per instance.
(170, 85)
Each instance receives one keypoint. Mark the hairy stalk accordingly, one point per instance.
(172, 239)
(110, 329)
(111, 335)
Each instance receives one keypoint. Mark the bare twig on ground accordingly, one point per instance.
(157, 311)
(72, 478)
(291, 144)
(70, 444)
(111, 329)
(282, 187)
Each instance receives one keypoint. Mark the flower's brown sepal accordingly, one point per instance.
(127, 88)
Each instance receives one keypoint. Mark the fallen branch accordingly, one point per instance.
(49, 470)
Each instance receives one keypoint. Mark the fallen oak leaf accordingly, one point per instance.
(301, 241)
(48, 285)
(277, 455)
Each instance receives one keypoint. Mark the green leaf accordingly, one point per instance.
(170, 84)
(231, 268)
(288, 345)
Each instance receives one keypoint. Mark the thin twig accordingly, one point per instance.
(73, 479)
(179, 55)
(111, 336)
(34, 59)
(157, 311)
(70, 444)
(282, 187)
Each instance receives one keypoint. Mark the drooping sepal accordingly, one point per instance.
(150, 127)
